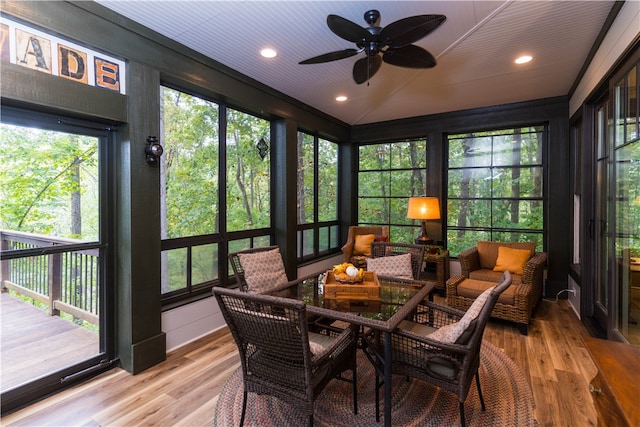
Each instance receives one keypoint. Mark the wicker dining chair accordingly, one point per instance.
(261, 270)
(444, 347)
(279, 356)
(386, 249)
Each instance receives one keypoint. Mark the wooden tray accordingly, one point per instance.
(368, 289)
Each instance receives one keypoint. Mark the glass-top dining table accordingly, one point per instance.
(399, 299)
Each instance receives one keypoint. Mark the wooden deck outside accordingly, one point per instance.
(33, 344)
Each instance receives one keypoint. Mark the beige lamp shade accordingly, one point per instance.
(423, 208)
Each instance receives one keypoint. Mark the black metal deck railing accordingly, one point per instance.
(65, 281)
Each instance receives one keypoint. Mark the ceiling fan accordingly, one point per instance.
(394, 42)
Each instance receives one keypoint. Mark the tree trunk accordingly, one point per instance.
(515, 181)
(240, 182)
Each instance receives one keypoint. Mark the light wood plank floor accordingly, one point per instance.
(183, 390)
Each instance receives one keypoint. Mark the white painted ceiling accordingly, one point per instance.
(475, 49)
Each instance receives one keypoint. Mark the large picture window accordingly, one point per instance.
(388, 175)
(317, 210)
(200, 203)
(496, 187)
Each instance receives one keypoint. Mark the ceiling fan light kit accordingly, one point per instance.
(392, 44)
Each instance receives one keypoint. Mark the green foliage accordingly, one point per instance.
(495, 187)
(190, 164)
(389, 174)
(248, 175)
(191, 168)
(39, 174)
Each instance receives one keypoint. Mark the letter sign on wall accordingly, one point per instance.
(31, 48)
(72, 64)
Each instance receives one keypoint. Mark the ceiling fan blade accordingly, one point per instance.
(411, 56)
(331, 56)
(347, 30)
(365, 68)
(409, 30)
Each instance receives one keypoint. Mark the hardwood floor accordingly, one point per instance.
(34, 343)
(183, 390)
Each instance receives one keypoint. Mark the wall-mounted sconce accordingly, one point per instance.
(153, 150)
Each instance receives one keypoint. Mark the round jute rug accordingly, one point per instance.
(507, 395)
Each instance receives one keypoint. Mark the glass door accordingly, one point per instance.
(599, 226)
(626, 248)
(54, 264)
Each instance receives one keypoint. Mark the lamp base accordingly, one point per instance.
(420, 241)
(423, 238)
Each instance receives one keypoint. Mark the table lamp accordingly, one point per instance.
(423, 208)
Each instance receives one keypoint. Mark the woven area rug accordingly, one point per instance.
(507, 395)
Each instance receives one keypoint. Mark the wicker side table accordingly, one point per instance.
(436, 269)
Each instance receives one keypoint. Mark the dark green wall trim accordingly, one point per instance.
(459, 121)
(148, 352)
(137, 228)
(348, 179)
(285, 195)
(48, 93)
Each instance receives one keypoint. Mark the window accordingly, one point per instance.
(193, 186)
(189, 171)
(317, 210)
(189, 184)
(495, 187)
(248, 172)
(389, 174)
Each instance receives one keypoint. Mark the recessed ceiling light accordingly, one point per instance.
(523, 59)
(268, 53)
(341, 98)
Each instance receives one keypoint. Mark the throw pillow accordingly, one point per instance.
(393, 266)
(512, 260)
(362, 244)
(382, 238)
(263, 270)
(450, 333)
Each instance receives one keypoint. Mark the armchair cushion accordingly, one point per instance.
(488, 251)
(362, 244)
(263, 270)
(512, 260)
(394, 266)
(488, 275)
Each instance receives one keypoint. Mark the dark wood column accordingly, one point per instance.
(140, 341)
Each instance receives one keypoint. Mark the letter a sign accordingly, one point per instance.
(33, 51)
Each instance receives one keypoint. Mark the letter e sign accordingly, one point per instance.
(107, 74)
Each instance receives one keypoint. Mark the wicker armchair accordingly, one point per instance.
(360, 259)
(518, 302)
(444, 347)
(279, 356)
(384, 249)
